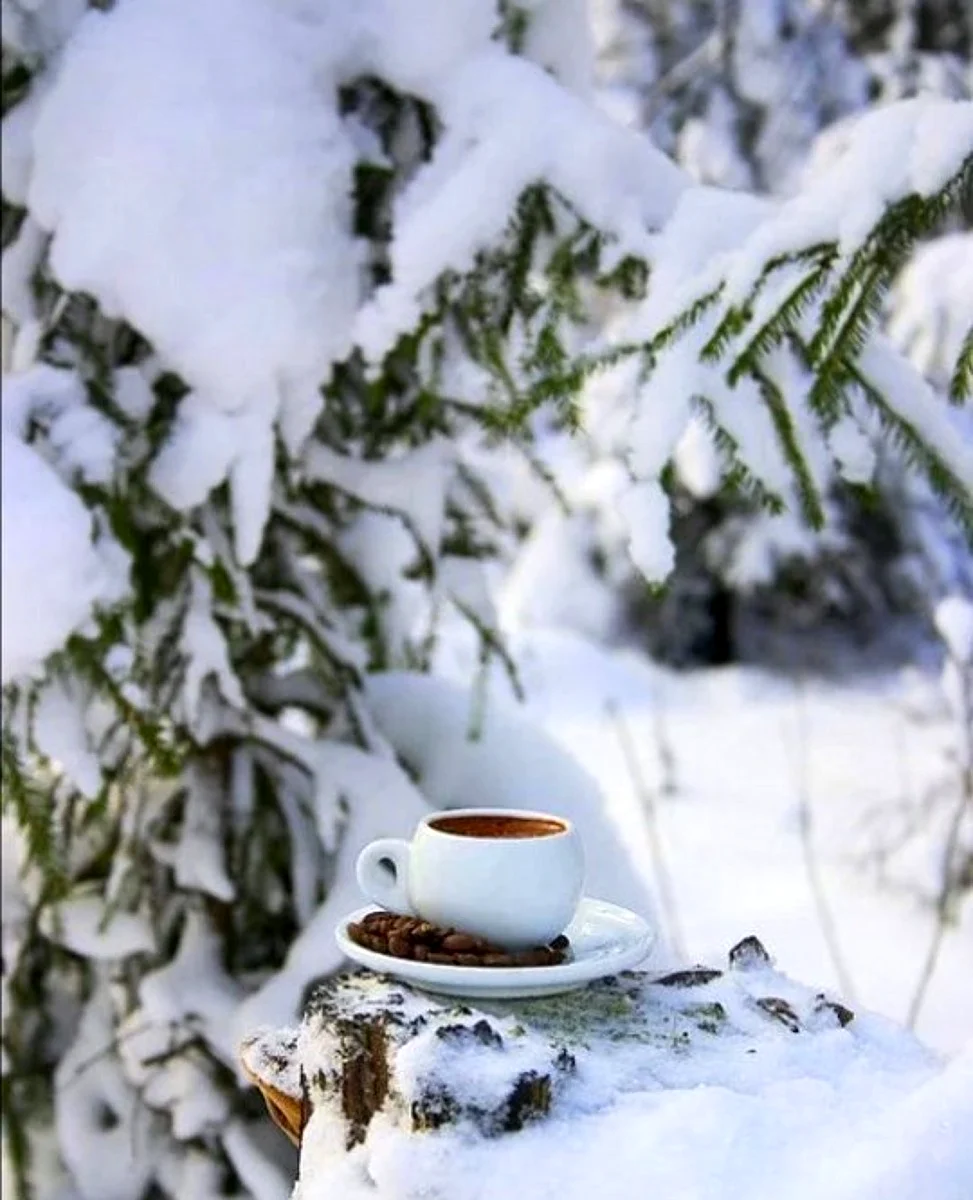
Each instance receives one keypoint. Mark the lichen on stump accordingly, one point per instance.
(369, 1044)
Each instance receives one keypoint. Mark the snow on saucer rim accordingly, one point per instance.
(605, 939)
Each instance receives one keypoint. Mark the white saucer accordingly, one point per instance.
(605, 939)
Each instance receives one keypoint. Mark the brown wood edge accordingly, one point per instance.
(289, 1113)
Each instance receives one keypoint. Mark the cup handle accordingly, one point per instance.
(383, 874)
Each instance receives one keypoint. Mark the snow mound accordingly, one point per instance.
(53, 574)
(505, 762)
(233, 174)
(699, 1085)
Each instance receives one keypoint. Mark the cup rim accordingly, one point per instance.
(530, 814)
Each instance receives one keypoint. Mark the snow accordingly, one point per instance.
(253, 1162)
(412, 484)
(859, 1114)
(20, 260)
(192, 1175)
(82, 442)
(663, 413)
(465, 581)
(707, 227)
(206, 653)
(507, 764)
(200, 857)
(505, 125)
(172, 1076)
(745, 1107)
(913, 400)
(381, 802)
(707, 152)
(551, 579)
(186, 164)
(193, 984)
(742, 414)
(714, 238)
(252, 290)
(40, 28)
(272, 267)
(381, 549)
(473, 1077)
(918, 1149)
(749, 552)
(697, 460)
(105, 1135)
(702, 1142)
(132, 393)
(645, 507)
(238, 261)
(60, 734)
(853, 451)
(15, 905)
(954, 620)
(86, 926)
(912, 146)
(54, 574)
(559, 38)
(932, 306)
(198, 453)
(418, 43)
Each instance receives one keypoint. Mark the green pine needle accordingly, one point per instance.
(954, 493)
(961, 383)
(812, 507)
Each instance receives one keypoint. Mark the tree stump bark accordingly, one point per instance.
(369, 1044)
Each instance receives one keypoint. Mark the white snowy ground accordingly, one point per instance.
(856, 1114)
(730, 829)
(842, 1114)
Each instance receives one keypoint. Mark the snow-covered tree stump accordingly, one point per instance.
(396, 1093)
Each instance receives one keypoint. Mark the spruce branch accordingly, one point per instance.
(492, 645)
(776, 328)
(682, 322)
(955, 493)
(961, 383)
(33, 809)
(738, 475)
(851, 303)
(843, 341)
(790, 444)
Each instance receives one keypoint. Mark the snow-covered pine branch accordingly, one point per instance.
(795, 289)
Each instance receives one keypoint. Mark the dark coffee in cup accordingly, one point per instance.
(492, 825)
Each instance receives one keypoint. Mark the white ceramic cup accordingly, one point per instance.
(516, 891)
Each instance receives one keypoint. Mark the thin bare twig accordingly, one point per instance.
(667, 895)
(805, 819)
(947, 885)
(706, 56)
(669, 781)
(942, 916)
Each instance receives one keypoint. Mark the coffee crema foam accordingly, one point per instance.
(498, 826)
